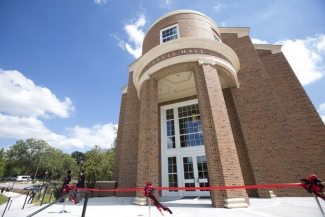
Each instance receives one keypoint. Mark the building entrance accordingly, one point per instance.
(195, 174)
(182, 147)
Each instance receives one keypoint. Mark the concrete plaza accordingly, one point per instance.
(123, 207)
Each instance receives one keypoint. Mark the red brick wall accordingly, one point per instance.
(244, 160)
(148, 148)
(260, 114)
(307, 128)
(119, 136)
(189, 24)
(104, 185)
(220, 149)
(129, 145)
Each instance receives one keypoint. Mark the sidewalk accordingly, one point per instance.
(123, 207)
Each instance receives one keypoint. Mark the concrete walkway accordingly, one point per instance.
(123, 207)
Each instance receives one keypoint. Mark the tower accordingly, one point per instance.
(205, 106)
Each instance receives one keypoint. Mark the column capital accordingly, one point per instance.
(210, 61)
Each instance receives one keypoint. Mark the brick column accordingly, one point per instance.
(129, 144)
(148, 148)
(119, 136)
(222, 159)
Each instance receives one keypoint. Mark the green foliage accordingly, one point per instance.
(78, 156)
(36, 156)
(3, 199)
(2, 163)
(98, 165)
(57, 190)
(23, 155)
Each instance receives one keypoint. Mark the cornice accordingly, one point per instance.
(125, 89)
(273, 48)
(231, 64)
(240, 31)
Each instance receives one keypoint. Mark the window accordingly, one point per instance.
(169, 33)
(182, 126)
(172, 173)
(190, 128)
(216, 38)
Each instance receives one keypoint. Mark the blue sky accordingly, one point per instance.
(63, 62)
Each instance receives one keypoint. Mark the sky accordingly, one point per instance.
(63, 63)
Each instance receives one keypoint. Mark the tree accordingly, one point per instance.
(92, 165)
(23, 155)
(98, 165)
(2, 163)
(36, 156)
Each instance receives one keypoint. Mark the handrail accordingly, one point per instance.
(66, 195)
(12, 199)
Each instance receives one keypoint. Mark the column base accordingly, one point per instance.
(272, 195)
(235, 203)
(140, 201)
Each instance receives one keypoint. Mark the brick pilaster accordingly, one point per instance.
(119, 136)
(148, 151)
(129, 146)
(222, 158)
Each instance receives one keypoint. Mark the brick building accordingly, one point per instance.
(205, 106)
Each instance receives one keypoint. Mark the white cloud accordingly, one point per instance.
(218, 7)
(79, 137)
(135, 34)
(100, 1)
(102, 135)
(22, 103)
(223, 24)
(121, 43)
(305, 57)
(168, 2)
(19, 96)
(258, 41)
(321, 111)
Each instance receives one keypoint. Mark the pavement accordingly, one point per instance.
(123, 207)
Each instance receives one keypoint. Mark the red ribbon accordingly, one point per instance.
(213, 188)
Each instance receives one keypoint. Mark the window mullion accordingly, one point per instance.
(177, 135)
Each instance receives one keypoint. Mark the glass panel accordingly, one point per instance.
(202, 167)
(170, 127)
(169, 34)
(172, 173)
(188, 168)
(189, 185)
(190, 128)
(204, 184)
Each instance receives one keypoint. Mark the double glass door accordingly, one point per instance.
(195, 174)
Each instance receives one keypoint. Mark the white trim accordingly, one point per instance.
(169, 27)
(273, 48)
(177, 152)
(125, 89)
(240, 31)
(183, 43)
(179, 12)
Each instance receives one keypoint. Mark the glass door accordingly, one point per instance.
(195, 174)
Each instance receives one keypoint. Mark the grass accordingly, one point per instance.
(3, 199)
(38, 198)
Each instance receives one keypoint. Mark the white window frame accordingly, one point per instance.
(178, 151)
(169, 27)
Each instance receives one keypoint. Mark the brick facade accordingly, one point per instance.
(128, 156)
(263, 129)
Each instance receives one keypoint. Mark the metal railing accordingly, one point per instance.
(9, 202)
(63, 198)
